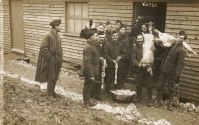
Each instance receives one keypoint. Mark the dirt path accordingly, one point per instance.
(70, 81)
(28, 105)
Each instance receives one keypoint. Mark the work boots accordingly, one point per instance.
(170, 106)
(149, 101)
(138, 96)
(90, 103)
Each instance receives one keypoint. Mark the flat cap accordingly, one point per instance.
(55, 22)
(108, 23)
(87, 33)
(123, 26)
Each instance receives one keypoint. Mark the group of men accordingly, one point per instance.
(109, 56)
(145, 50)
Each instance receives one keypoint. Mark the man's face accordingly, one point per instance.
(118, 25)
(115, 36)
(93, 38)
(140, 40)
(181, 38)
(58, 28)
(144, 28)
(101, 38)
(108, 27)
(122, 30)
(100, 28)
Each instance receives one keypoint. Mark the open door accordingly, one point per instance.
(17, 26)
(151, 11)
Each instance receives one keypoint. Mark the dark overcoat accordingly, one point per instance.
(90, 61)
(124, 39)
(136, 57)
(111, 51)
(50, 58)
(174, 62)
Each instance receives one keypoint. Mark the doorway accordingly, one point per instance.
(151, 11)
(17, 26)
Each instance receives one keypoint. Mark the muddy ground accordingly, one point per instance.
(27, 105)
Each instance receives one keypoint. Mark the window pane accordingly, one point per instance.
(70, 25)
(85, 10)
(77, 26)
(84, 22)
(70, 10)
(78, 10)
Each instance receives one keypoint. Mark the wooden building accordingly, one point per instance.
(26, 21)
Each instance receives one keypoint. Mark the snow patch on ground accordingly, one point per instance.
(129, 113)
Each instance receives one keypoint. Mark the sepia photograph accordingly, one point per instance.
(99, 62)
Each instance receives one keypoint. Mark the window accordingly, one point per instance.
(76, 17)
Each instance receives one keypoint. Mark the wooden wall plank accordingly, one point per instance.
(185, 16)
(101, 12)
(6, 26)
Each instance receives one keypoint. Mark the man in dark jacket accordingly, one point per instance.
(171, 70)
(127, 46)
(50, 58)
(113, 54)
(91, 66)
(143, 77)
(97, 91)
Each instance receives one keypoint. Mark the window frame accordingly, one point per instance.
(75, 17)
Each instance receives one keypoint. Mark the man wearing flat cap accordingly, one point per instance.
(90, 65)
(50, 58)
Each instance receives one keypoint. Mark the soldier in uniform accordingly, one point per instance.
(90, 66)
(171, 70)
(127, 46)
(97, 91)
(143, 77)
(113, 54)
(50, 58)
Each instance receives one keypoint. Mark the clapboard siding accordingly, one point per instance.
(103, 11)
(36, 16)
(185, 17)
(1, 32)
(6, 26)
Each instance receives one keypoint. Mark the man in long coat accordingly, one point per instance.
(124, 39)
(50, 58)
(90, 66)
(97, 91)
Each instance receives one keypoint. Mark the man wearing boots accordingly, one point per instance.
(91, 65)
(143, 77)
(97, 91)
(171, 70)
(113, 54)
(50, 58)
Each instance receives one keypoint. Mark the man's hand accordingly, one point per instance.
(114, 61)
(101, 58)
(194, 53)
(118, 58)
(140, 64)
